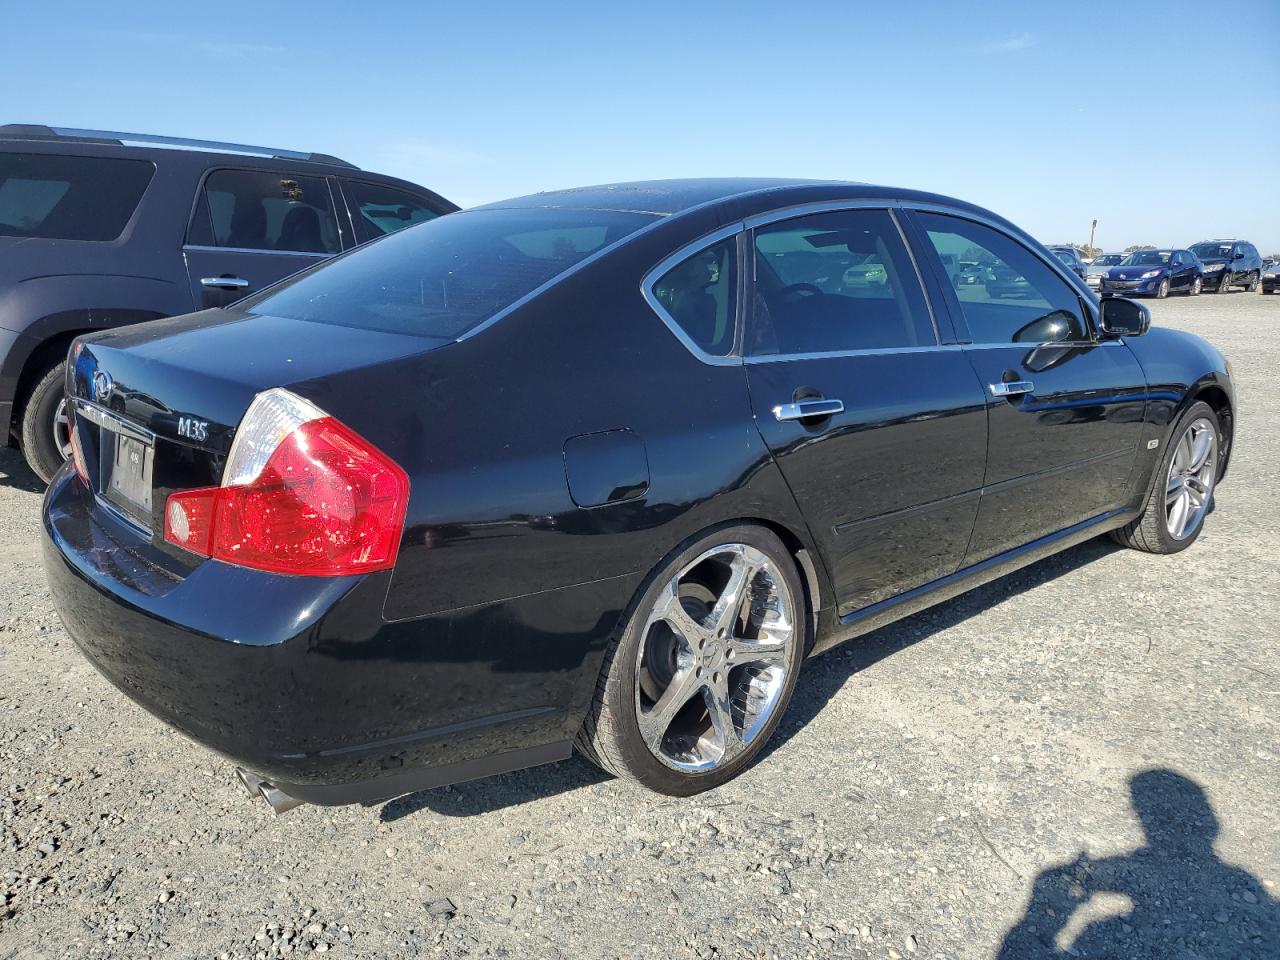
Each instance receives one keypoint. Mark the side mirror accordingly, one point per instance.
(1238, 256)
(1124, 318)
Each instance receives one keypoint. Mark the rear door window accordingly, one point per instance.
(69, 198)
(833, 283)
(256, 210)
(377, 210)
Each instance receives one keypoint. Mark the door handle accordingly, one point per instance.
(224, 283)
(1011, 389)
(805, 409)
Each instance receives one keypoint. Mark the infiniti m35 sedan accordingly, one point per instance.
(598, 468)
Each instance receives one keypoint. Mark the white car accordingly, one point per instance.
(1098, 267)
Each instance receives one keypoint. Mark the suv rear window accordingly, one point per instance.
(443, 277)
(69, 198)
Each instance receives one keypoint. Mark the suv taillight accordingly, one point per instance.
(301, 494)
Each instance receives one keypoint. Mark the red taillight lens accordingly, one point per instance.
(77, 454)
(325, 503)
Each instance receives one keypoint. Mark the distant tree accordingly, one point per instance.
(1087, 252)
(1140, 246)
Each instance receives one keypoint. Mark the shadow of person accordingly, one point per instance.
(1171, 898)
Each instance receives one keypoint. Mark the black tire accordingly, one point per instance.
(1162, 291)
(1224, 285)
(1252, 286)
(1150, 532)
(610, 736)
(44, 455)
(1196, 286)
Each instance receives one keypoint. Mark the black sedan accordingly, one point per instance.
(598, 468)
(1154, 273)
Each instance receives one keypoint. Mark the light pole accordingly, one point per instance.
(1092, 230)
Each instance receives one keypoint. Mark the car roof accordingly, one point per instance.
(146, 143)
(672, 197)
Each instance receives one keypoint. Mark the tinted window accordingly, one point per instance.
(377, 210)
(444, 277)
(1212, 249)
(700, 294)
(1020, 298)
(835, 282)
(69, 198)
(252, 210)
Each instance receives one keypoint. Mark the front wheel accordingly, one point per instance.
(1223, 284)
(1195, 287)
(1162, 291)
(46, 438)
(1181, 492)
(699, 677)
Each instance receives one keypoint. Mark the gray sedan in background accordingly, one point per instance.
(1098, 267)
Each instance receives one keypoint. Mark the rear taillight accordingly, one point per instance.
(77, 454)
(301, 493)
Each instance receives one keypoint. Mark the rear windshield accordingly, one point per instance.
(69, 198)
(443, 277)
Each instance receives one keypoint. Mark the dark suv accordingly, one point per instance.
(1071, 257)
(103, 229)
(1229, 263)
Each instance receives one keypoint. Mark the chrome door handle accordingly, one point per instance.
(224, 283)
(804, 409)
(1011, 389)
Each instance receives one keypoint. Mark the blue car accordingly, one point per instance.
(1154, 273)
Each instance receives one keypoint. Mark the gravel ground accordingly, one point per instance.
(1082, 759)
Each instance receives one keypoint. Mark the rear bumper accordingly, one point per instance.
(301, 680)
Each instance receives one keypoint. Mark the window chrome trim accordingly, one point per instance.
(666, 264)
(819, 206)
(205, 248)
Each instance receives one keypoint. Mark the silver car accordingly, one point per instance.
(1098, 267)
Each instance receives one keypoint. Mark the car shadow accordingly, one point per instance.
(1171, 897)
(496, 793)
(819, 681)
(824, 676)
(15, 473)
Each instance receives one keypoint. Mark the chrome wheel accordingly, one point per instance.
(1195, 287)
(713, 658)
(1189, 484)
(62, 430)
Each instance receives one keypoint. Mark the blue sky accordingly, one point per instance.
(1150, 117)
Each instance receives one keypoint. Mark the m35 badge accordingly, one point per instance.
(193, 429)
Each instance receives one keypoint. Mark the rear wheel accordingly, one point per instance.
(1253, 283)
(46, 439)
(698, 679)
(1181, 492)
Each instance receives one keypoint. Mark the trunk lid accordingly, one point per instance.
(157, 404)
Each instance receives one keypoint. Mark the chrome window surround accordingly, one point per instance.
(666, 264)
(205, 248)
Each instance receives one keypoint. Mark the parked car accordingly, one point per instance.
(1099, 266)
(1270, 276)
(558, 472)
(1154, 273)
(1229, 263)
(1071, 257)
(100, 229)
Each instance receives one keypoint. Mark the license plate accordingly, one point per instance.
(129, 485)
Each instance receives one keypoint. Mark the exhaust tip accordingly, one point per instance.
(256, 786)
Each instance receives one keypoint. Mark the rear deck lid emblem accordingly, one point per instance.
(102, 386)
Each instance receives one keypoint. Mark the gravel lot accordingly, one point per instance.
(1035, 769)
